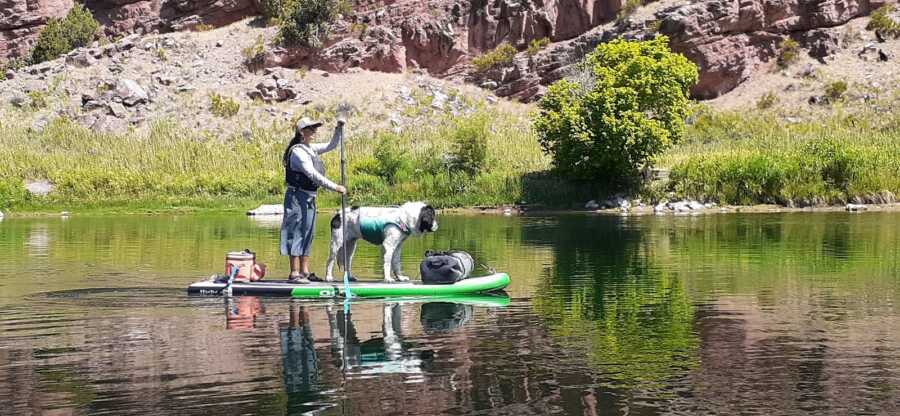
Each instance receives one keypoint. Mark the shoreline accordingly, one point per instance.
(648, 210)
(508, 210)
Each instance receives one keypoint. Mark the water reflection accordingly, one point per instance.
(757, 314)
(318, 358)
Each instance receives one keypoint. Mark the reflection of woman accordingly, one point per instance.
(304, 173)
(298, 352)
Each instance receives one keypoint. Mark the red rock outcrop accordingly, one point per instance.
(441, 36)
(22, 20)
(130, 16)
(730, 39)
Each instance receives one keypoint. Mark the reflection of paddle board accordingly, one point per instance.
(371, 288)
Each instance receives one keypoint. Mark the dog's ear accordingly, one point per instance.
(427, 220)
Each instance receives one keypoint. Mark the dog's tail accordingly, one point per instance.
(336, 221)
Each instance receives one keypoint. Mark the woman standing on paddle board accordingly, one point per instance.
(304, 173)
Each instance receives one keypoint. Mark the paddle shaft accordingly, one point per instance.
(343, 219)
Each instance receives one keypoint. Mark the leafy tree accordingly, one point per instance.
(60, 36)
(628, 106)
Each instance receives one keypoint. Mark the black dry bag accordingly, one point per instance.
(444, 268)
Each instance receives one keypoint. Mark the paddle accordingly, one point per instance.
(343, 111)
(227, 290)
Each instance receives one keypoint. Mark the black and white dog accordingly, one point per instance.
(385, 226)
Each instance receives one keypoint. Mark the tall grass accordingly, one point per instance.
(176, 166)
(745, 159)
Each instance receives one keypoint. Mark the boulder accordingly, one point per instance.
(118, 110)
(661, 207)
(80, 59)
(39, 188)
(591, 205)
(821, 42)
(130, 92)
(273, 89)
(90, 102)
(856, 207)
(274, 209)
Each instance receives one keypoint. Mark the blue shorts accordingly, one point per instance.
(299, 222)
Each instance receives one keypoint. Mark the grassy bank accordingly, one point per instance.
(740, 158)
(487, 157)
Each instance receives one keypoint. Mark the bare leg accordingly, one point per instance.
(304, 264)
(295, 266)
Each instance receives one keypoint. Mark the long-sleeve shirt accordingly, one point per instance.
(306, 159)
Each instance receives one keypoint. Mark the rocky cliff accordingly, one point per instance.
(22, 20)
(729, 39)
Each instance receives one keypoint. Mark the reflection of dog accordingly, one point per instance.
(388, 227)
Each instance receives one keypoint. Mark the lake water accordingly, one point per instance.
(720, 314)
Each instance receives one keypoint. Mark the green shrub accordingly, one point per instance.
(629, 8)
(14, 64)
(272, 9)
(881, 21)
(470, 136)
(834, 91)
(536, 45)
(389, 162)
(767, 101)
(255, 54)
(632, 108)
(38, 99)
(359, 29)
(788, 52)
(60, 36)
(308, 22)
(225, 107)
(502, 55)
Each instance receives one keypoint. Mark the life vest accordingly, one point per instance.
(372, 228)
(297, 178)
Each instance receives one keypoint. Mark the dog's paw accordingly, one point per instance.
(388, 279)
(402, 278)
(329, 278)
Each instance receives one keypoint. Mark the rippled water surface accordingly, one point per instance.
(730, 314)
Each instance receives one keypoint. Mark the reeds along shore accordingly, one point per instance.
(488, 157)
